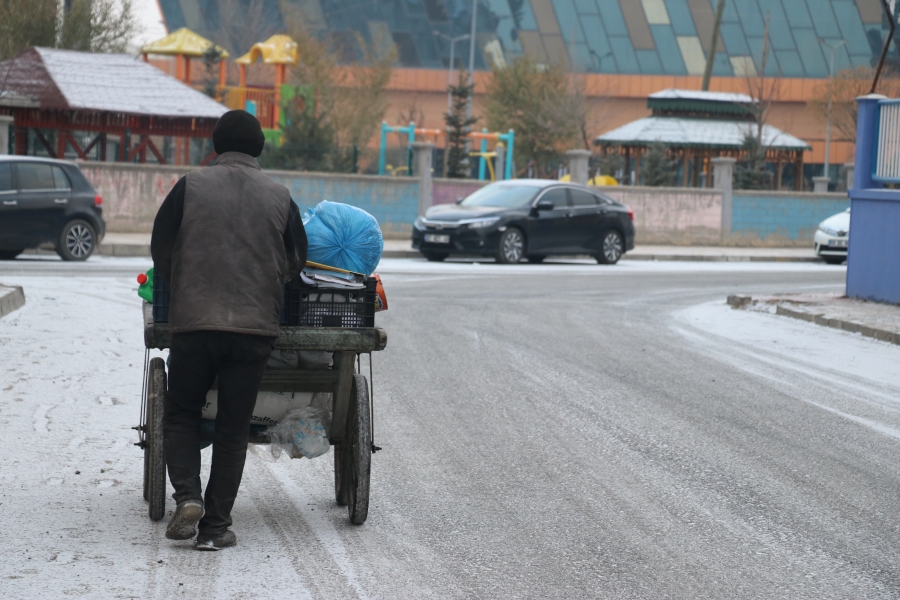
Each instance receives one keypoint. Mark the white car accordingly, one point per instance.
(832, 238)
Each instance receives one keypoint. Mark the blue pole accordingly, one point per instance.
(482, 163)
(409, 148)
(511, 138)
(382, 148)
(865, 141)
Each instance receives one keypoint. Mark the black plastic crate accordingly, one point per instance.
(160, 300)
(302, 305)
(324, 307)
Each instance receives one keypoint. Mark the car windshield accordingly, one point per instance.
(502, 196)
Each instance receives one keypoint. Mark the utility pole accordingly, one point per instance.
(707, 72)
(472, 56)
(828, 110)
(452, 66)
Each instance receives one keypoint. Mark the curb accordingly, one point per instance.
(11, 298)
(124, 249)
(721, 258)
(735, 301)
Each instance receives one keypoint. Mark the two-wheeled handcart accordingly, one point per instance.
(339, 322)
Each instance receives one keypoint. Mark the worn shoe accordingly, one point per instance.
(183, 522)
(226, 540)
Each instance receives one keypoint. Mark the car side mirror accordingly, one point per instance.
(544, 205)
(459, 200)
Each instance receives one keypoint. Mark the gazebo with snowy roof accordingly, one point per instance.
(698, 126)
(76, 100)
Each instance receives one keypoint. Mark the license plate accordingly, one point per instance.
(437, 238)
(837, 243)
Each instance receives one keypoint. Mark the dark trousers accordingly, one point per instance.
(196, 359)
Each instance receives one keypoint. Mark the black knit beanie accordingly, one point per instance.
(238, 131)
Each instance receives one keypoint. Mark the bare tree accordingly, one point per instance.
(842, 90)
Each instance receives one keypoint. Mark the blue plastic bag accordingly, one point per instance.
(343, 236)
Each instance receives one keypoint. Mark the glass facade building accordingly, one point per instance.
(637, 37)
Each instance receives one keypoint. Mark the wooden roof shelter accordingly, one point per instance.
(698, 126)
(104, 94)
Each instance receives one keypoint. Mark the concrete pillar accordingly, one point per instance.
(5, 123)
(500, 162)
(849, 168)
(820, 184)
(423, 153)
(578, 165)
(865, 134)
(723, 178)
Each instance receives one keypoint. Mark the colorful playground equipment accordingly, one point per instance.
(184, 45)
(505, 141)
(278, 50)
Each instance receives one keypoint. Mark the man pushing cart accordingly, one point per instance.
(228, 244)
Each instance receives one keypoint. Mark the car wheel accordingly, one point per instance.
(536, 258)
(611, 248)
(834, 260)
(9, 254)
(76, 241)
(512, 247)
(435, 256)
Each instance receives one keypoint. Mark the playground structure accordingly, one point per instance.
(503, 148)
(280, 51)
(184, 45)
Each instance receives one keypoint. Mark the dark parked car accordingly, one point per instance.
(527, 218)
(47, 201)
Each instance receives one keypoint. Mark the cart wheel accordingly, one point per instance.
(340, 493)
(153, 452)
(357, 451)
(146, 467)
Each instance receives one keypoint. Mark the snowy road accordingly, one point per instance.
(549, 431)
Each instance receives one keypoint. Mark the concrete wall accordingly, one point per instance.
(133, 193)
(446, 191)
(681, 216)
(780, 218)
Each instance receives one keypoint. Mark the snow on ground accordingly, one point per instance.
(73, 521)
(856, 377)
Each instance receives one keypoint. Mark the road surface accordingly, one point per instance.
(548, 431)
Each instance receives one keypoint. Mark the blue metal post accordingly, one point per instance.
(481, 162)
(381, 150)
(510, 139)
(409, 148)
(865, 141)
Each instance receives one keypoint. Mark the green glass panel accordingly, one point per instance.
(735, 42)
(797, 14)
(680, 16)
(851, 27)
(611, 13)
(668, 50)
(790, 63)
(823, 18)
(814, 64)
(649, 61)
(569, 21)
(624, 53)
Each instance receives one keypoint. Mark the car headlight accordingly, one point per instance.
(419, 224)
(829, 231)
(483, 223)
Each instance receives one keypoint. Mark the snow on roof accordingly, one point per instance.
(679, 132)
(674, 94)
(93, 82)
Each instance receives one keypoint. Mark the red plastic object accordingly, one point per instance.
(631, 214)
(142, 279)
(98, 200)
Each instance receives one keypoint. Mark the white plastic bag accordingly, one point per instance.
(303, 432)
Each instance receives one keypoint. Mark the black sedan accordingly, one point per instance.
(527, 218)
(48, 201)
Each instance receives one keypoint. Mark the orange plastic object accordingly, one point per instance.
(381, 300)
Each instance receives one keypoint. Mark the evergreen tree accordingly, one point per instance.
(457, 128)
(307, 143)
(211, 58)
(659, 170)
(752, 174)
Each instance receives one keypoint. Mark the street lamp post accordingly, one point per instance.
(472, 56)
(452, 67)
(828, 110)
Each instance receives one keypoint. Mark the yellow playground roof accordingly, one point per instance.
(183, 41)
(277, 50)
